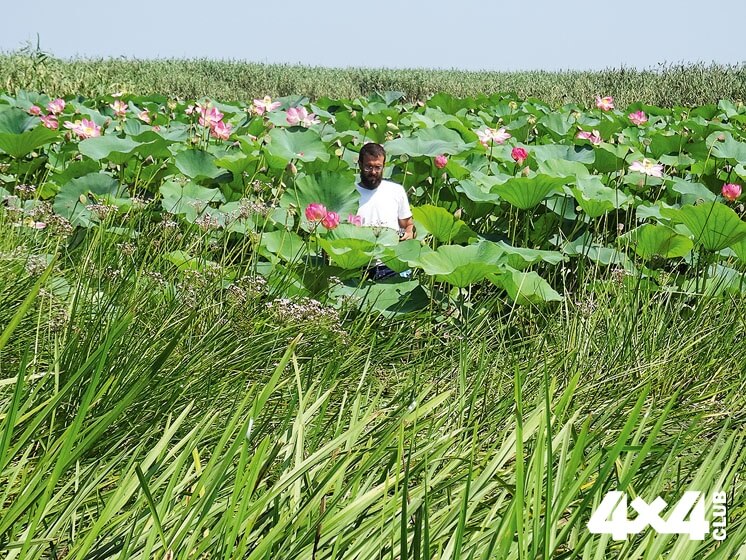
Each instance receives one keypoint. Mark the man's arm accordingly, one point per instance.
(407, 224)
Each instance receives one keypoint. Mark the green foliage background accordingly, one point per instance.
(666, 85)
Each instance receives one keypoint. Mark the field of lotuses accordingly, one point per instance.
(505, 193)
(192, 364)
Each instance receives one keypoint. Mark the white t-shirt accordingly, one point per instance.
(384, 205)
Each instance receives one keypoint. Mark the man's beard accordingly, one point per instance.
(370, 182)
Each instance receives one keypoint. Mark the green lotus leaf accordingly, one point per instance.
(610, 157)
(461, 266)
(183, 260)
(441, 224)
(21, 144)
(527, 192)
(558, 123)
(349, 253)
(595, 198)
(389, 298)
(404, 254)
(729, 148)
(739, 248)
(476, 192)
(114, 149)
(606, 256)
(691, 191)
(237, 163)
(525, 288)
(197, 164)
(233, 220)
(15, 121)
(521, 258)
(188, 199)
(286, 245)
(714, 225)
(336, 191)
(428, 142)
(666, 143)
(563, 168)
(74, 195)
(583, 154)
(296, 144)
(651, 240)
(717, 281)
(377, 236)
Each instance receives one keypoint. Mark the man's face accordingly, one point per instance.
(371, 171)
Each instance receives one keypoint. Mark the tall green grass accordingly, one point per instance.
(666, 85)
(148, 411)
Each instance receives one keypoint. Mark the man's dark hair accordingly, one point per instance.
(371, 149)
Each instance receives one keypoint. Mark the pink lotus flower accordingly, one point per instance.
(331, 220)
(34, 110)
(50, 121)
(594, 137)
(647, 167)
(189, 110)
(441, 161)
(731, 191)
(265, 105)
(491, 135)
(209, 117)
(605, 103)
(84, 128)
(120, 108)
(56, 107)
(638, 118)
(144, 116)
(221, 130)
(519, 155)
(301, 116)
(355, 220)
(315, 212)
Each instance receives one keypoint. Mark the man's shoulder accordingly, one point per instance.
(391, 185)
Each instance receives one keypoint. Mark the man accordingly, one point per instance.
(382, 203)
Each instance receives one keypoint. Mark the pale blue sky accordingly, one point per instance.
(466, 34)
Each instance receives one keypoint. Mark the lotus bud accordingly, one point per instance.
(331, 220)
(290, 168)
(315, 212)
(731, 191)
